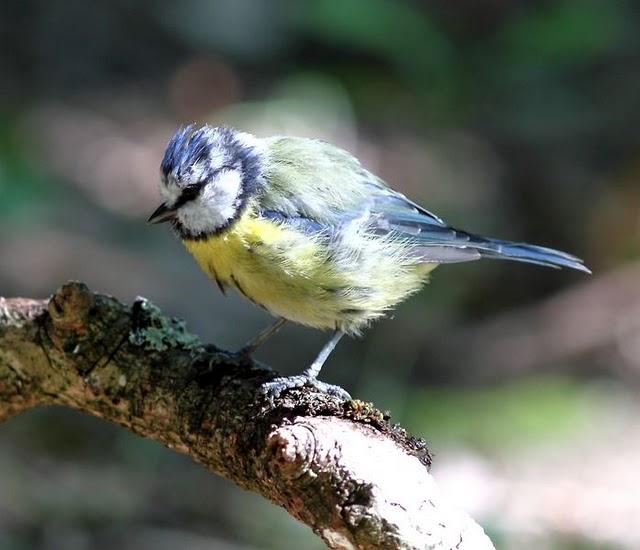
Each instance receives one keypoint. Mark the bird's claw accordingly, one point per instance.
(273, 389)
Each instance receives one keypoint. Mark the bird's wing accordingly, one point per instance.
(317, 187)
(320, 181)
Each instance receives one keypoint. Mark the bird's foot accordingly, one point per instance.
(273, 389)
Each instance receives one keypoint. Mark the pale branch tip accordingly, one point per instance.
(342, 468)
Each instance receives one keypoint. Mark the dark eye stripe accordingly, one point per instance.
(189, 193)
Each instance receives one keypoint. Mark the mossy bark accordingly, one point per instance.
(340, 467)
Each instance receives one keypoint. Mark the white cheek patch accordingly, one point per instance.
(221, 198)
(216, 205)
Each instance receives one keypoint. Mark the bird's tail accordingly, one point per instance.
(523, 252)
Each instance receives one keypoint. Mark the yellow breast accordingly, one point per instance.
(295, 276)
(270, 264)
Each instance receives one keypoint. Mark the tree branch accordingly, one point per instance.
(341, 468)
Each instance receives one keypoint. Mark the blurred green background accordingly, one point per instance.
(510, 118)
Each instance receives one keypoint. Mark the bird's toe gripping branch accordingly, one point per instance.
(276, 387)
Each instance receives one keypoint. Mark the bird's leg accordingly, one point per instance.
(313, 370)
(252, 345)
(309, 376)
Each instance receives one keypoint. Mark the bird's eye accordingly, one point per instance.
(194, 187)
(189, 193)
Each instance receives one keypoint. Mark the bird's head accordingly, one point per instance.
(206, 177)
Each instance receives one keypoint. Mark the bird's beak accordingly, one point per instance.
(162, 214)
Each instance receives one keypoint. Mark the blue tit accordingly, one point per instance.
(301, 228)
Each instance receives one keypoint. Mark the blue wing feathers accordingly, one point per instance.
(444, 237)
(435, 239)
(390, 213)
(301, 223)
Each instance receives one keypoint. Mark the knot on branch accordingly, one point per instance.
(291, 445)
(69, 308)
(82, 327)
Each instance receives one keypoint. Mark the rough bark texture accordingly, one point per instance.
(341, 468)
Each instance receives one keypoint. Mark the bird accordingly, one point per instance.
(301, 228)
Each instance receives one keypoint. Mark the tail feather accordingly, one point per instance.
(529, 253)
(448, 245)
